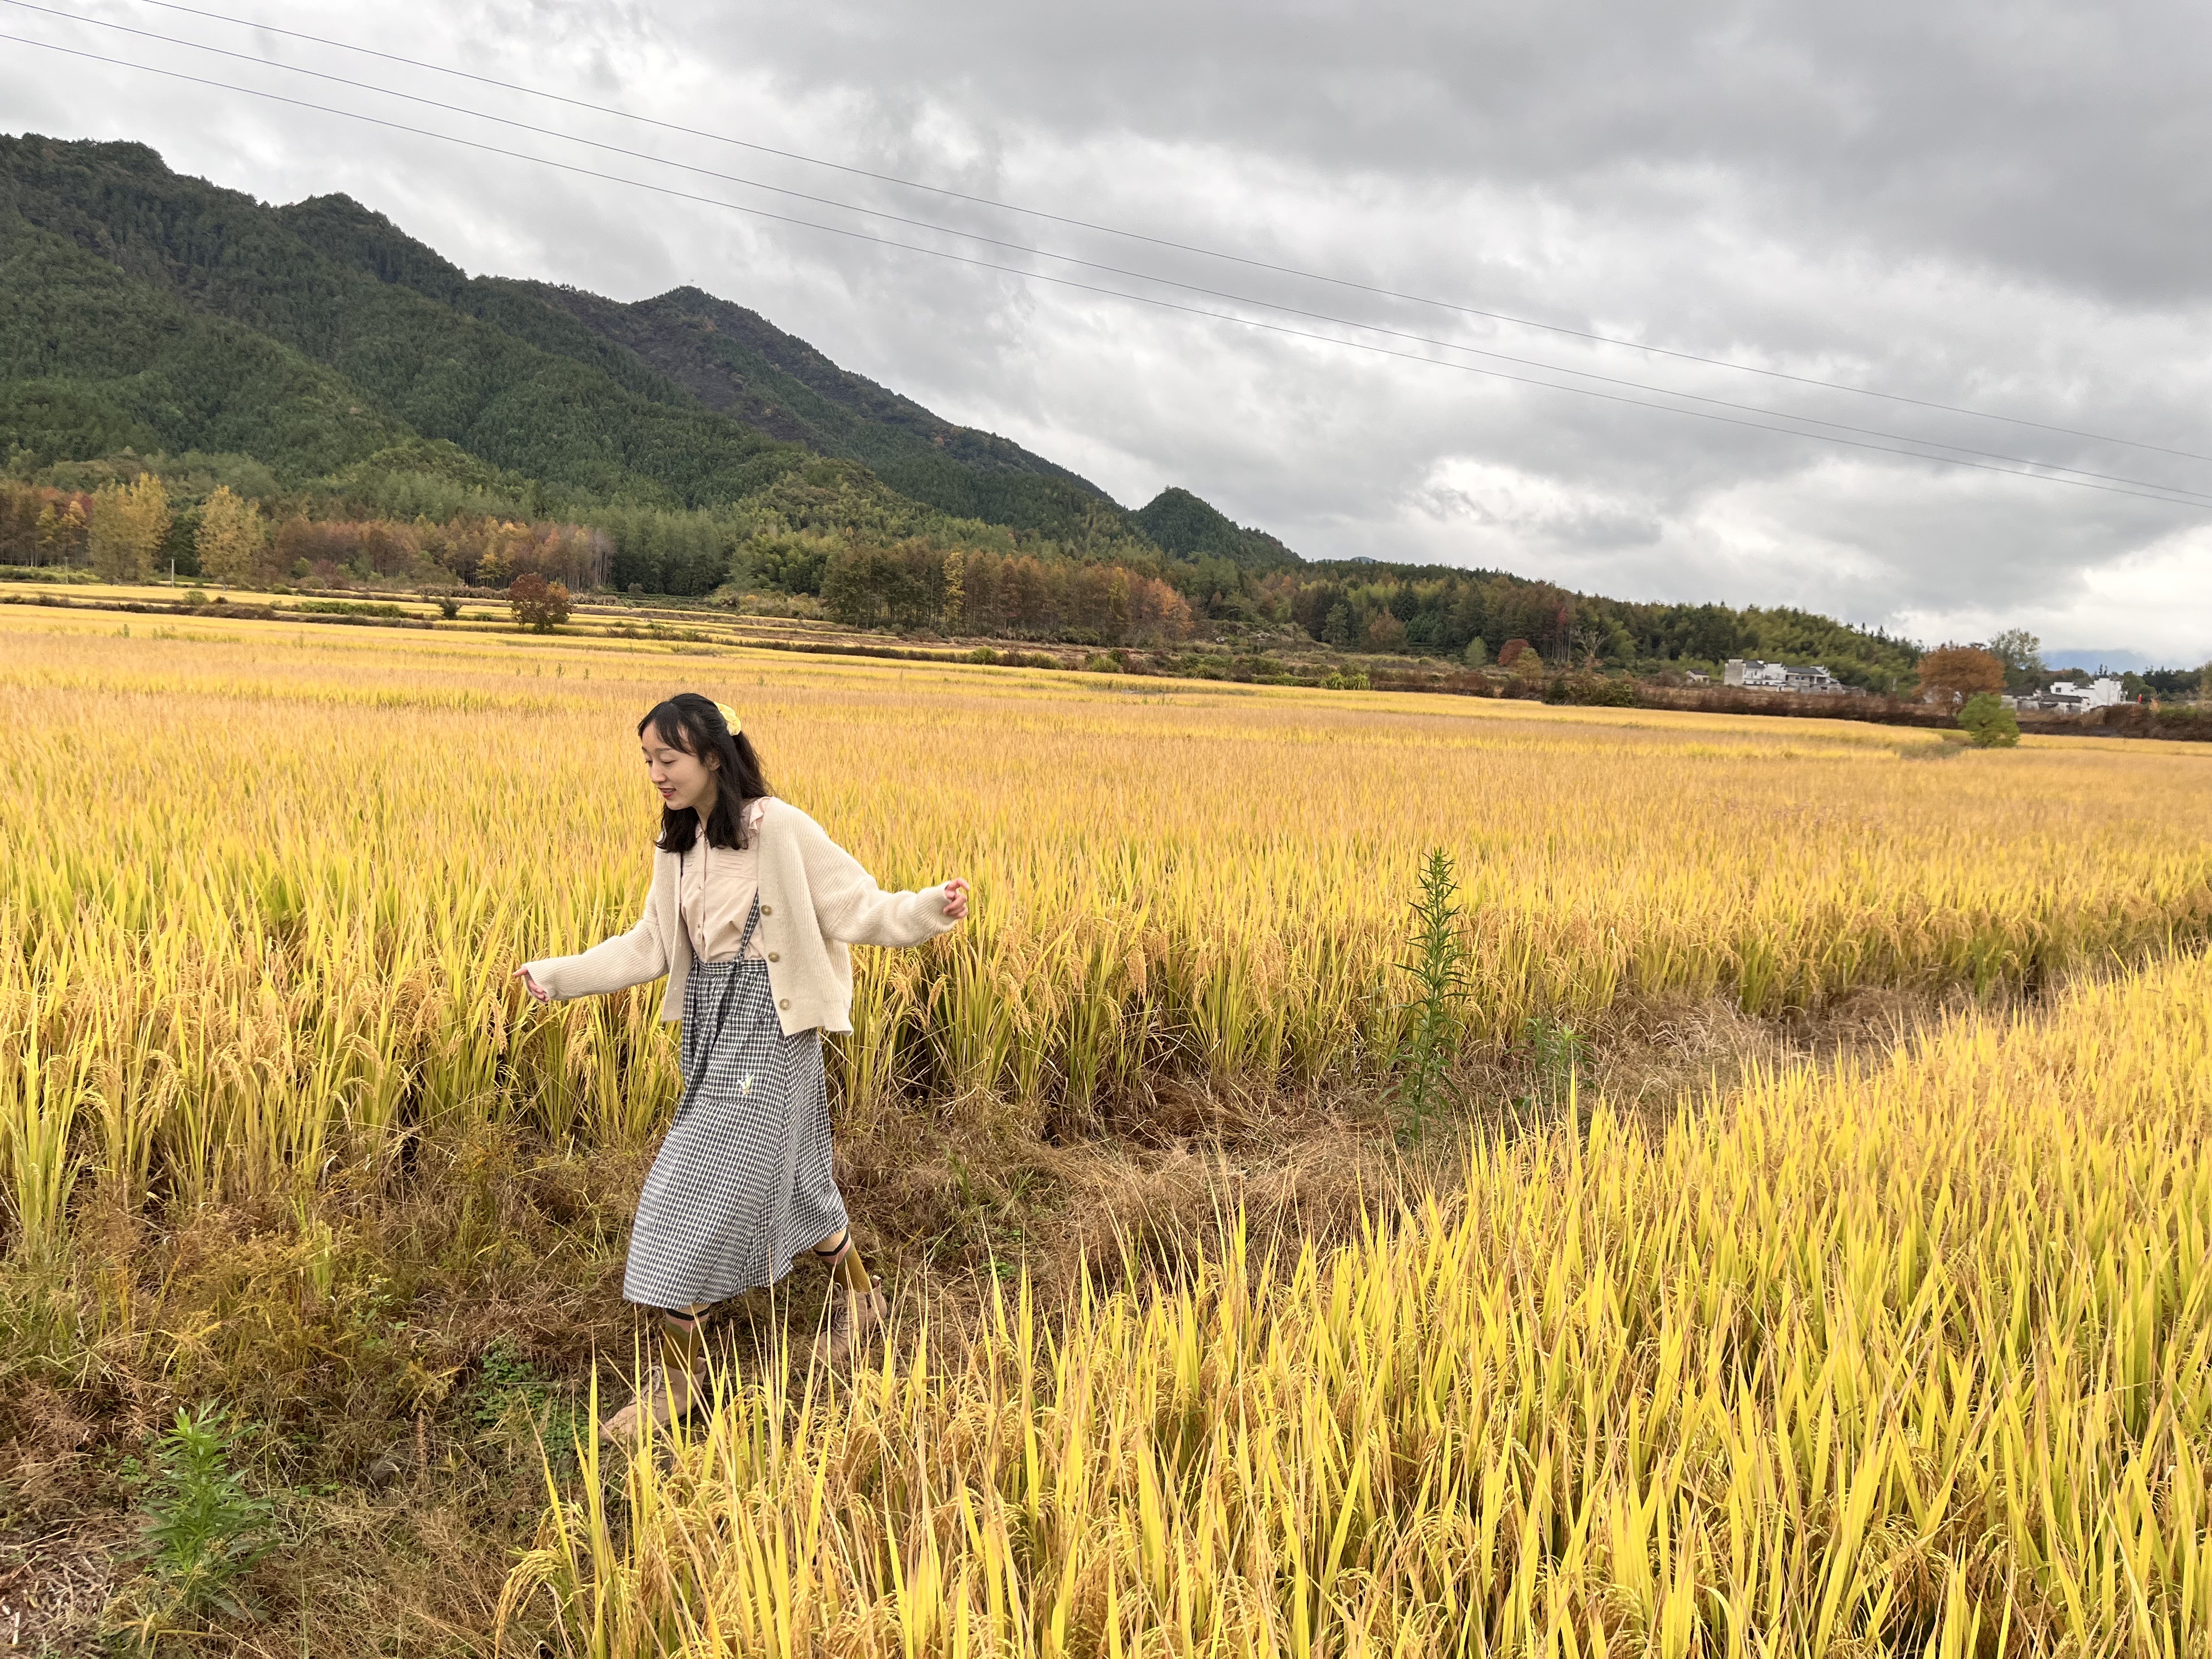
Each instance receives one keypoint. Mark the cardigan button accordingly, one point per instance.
(786, 1003)
(772, 956)
(768, 909)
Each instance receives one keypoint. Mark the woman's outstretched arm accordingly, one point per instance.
(615, 964)
(850, 906)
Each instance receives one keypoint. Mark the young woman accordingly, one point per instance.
(750, 913)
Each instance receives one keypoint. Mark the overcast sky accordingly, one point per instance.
(1998, 206)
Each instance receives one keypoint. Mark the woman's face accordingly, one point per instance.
(683, 780)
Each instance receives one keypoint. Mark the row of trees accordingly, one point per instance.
(128, 530)
(119, 530)
(1466, 614)
(830, 529)
(915, 585)
(125, 530)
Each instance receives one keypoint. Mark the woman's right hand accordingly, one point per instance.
(538, 992)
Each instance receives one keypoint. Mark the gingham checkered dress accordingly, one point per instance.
(742, 1183)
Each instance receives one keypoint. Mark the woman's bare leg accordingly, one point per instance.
(841, 1257)
(856, 1303)
(668, 1391)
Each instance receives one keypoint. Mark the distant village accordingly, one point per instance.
(2062, 697)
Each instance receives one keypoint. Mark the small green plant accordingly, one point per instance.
(1551, 1051)
(1989, 723)
(515, 1406)
(1437, 966)
(196, 596)
(203, 1528)
(449, 607)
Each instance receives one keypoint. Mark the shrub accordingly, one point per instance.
(1592, 690)
(1102, 662)
(352, 608)
(1989, 722)
(449, 608)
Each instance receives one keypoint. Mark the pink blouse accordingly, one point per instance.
(717, 893)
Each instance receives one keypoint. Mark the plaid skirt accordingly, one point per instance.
(742, 1183)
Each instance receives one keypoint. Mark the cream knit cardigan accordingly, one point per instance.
(815, 899)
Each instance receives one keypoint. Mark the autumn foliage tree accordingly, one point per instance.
(231, 541)
(1952, 673)
(538, 605)
(62, 529)
(129, 523)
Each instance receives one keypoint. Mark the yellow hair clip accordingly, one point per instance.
(730, 718)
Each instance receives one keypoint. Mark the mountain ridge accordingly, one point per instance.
(360, 377)
(550, 384)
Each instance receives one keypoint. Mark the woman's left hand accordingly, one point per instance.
(956, 900)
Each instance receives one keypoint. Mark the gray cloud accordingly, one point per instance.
(2002, 206)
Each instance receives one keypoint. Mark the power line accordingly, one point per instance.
(2175, 495)
(1182, 247)
(1118, 270)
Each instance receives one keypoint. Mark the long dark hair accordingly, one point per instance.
(692, 723)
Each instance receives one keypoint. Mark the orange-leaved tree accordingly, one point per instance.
(538, 605)
(1952, 673)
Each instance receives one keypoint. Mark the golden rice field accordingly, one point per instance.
(263, 887)
(1902, 1355)
(1909, 1357)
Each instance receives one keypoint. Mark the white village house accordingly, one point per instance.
(2065, 697)
(1757, 675)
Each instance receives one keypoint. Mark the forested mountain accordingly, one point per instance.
(395, 418)
(683, 401)
(737, 363)
(1190, 529)
(421, 364)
